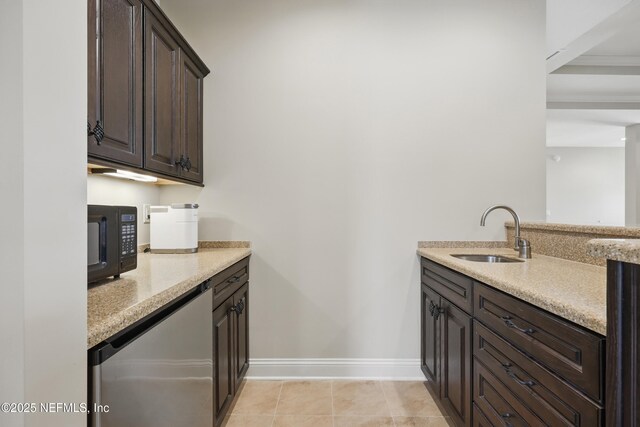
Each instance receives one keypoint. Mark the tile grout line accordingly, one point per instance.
(386, 400)
(333, 414)
(273, 421)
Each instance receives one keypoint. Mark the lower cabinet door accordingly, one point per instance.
(455, 377)
(223, 372)
(430, 336)
(241, 353)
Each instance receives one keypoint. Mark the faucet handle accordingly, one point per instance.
(524, 249)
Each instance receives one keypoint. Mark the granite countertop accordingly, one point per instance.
(625, 250)
(572, 290)
(114, 304)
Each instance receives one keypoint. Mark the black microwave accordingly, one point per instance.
(112, 241)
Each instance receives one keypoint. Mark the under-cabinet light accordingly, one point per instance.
(124, 174)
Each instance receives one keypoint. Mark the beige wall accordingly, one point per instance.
(338, 134)
(12, 212)
(103, 190)
(44, 204)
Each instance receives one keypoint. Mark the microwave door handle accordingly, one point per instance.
(103, 240)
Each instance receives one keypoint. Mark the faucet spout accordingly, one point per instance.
(516, 219)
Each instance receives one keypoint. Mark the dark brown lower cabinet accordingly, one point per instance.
(497, 403)
(430, 342)
(230, 335)
(223, 373)
(623, 349)
(503, 362)
(455, 376)
(241, 333)
(479, 419)
(446, 354)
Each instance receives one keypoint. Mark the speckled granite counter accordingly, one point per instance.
(572, 290)
(625, 250)
(160, 278)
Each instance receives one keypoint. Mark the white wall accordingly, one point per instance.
(338, 134)
(44, 202)
(104, 190)
(632, 176)
(586, 186)
(12, 211)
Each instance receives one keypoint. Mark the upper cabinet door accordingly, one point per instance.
(162, 98)
(191, 117)
(115, 80)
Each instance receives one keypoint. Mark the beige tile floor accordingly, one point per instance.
(334, 404)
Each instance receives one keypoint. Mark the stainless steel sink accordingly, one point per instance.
(486, 258)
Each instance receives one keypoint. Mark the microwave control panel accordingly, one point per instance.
(128, 234)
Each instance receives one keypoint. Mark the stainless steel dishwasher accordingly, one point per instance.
(159, 371)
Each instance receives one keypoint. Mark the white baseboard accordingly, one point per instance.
(386, 369)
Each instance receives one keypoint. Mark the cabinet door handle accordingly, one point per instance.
(240, 306)
(187, 164)
(97, 132)
(437, 312)
(180, 162)
(507, 321)
(233, 308)
(432, 308)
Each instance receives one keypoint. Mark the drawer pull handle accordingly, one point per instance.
(514, 377)
(507, 321)
(234, 279)
(507, 416)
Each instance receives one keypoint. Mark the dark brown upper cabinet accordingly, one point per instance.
(133, 50)
(191, 78)
(162, 98)
(115, 80)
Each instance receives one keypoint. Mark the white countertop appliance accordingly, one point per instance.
(174, 228)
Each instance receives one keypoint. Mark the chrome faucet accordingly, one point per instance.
(521, 245)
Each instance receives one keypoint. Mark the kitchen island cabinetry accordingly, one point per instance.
(493, 359)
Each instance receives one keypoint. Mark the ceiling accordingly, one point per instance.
(569, 19)
(589, 128)
(591, 99)
(625, 43)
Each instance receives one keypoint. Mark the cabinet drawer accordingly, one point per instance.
(479, 419)
(497, 403)
(571, 352)
(227, 282)
(455, 287)
(552, 399)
